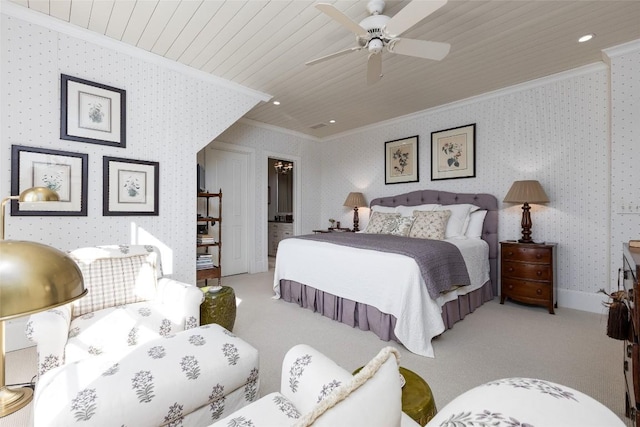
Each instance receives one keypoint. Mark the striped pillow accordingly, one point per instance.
(116, 281)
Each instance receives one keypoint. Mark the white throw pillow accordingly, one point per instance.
(383, 209)
(373, 398)
(408, 210)
(476, 224)
(459, 219)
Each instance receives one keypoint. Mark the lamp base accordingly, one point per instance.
(11, 400)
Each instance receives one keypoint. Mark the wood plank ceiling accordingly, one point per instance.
(264, 44)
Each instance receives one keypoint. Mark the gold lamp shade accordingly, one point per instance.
(35, 277)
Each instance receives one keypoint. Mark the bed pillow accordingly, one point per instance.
(377, 221)
(476, 224)
(429, 225)
(383, 209)
(408, 210)
(399, 226)
(459, 219)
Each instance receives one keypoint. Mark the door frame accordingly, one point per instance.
(297, 199)
(251, 196)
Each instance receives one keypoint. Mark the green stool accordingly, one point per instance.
(218, 307)
(417, 399)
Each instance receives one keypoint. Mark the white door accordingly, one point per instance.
(227, 170)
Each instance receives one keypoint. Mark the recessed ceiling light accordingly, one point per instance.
(586, 38)
(276, 102)
(332, 121)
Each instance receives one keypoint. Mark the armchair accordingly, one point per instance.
(315, 390)
(129, 303)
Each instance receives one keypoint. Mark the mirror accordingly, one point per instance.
(285, 192)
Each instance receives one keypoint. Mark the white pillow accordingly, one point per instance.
(459, 219)
(383, 209)
(408, 210)
(476, 224)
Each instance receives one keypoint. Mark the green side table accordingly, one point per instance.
(417, 399)
(218, 307)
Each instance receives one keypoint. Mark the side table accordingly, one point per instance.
(417, 398)
(218, 307)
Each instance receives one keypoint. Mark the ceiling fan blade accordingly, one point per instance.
(333, 55)
(410, 15)
(419, 48)
(344, 20)
(374, 68)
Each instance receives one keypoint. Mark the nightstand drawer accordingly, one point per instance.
(526, 254)
(519, 270)
(524, 290)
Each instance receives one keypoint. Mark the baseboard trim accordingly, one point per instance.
(582, 301)
(14, 337)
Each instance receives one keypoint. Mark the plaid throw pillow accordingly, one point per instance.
(116, 281)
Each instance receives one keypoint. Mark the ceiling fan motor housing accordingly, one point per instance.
(374, 25)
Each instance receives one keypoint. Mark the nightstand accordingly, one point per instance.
(528, 273)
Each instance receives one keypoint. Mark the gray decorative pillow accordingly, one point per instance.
(398, 226)
(378, 220)
(429, 225)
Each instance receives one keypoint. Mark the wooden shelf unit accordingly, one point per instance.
(213, 227)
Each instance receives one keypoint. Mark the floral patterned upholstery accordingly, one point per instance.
(523, 402)
(129, 303)
(315, 390)
(186, 379)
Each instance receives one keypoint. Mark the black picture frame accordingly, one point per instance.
(453, 153)
(92, 112)
(402, 160)
(130, 187)
(63, 171)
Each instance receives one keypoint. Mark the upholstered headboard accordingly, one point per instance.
(483, 201)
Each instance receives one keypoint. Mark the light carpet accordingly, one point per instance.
(496, 341)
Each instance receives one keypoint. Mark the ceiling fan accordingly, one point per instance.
(377, 31)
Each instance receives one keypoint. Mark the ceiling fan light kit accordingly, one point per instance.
(378, 31)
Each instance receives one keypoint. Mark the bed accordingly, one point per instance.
(386, 292)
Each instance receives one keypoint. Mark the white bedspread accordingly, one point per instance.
(390, 282)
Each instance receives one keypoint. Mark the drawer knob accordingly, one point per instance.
(510, 287)
(510, 269)
(538, 256)
(538, 291)
(510, 253)
(539, 273)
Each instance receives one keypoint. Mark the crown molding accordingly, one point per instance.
(37, 18)
(564, 75)
(622, 49)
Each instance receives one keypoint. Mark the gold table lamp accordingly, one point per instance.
(33, 277)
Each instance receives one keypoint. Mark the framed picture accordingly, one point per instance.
(92, 112)
(453, 153)
(401, 160)
(130, 187)
(61, 171)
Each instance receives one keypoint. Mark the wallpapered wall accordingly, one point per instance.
(170, 116)
(625, 149)
(554, 130)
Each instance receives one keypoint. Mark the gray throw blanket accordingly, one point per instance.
(441, 263)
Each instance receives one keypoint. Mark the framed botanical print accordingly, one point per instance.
(453, 153)
(92, 112)
(61, 171)
(401, 161)
(130, 187)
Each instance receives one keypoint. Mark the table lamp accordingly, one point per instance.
(355, 201)
(526, 192)
(33, 277)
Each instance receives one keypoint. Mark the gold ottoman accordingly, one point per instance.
(218, 307)
(417, 399)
